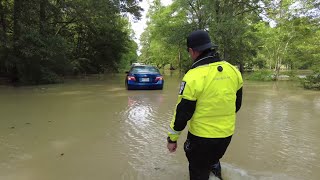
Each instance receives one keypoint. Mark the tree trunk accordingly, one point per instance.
(179, 61)
(16, 20)
(13, 70)
(241, 67)
(277, 68)
(3, 24)
(42, 16)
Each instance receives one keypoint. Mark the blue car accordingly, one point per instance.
(144, 77)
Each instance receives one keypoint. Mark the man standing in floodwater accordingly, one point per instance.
(209, 97)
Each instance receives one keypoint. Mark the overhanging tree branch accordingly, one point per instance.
(66, 23)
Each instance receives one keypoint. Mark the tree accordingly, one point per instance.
(229, 23)
(282, 43)
(52, 38)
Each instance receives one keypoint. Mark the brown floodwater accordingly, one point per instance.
(93, 129)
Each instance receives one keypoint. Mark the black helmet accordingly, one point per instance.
(199, 40)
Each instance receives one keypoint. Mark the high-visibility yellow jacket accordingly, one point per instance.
(212, 89)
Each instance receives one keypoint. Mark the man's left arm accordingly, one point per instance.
(239, 99)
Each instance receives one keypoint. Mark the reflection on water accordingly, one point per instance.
(96, 129)
(142, 115)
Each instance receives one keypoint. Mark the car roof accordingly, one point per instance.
(137, 64)
(142, 65)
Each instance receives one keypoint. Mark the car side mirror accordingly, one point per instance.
(127, 72)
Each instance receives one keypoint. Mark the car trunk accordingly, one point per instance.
(145, 78)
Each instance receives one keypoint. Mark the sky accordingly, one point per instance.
(140, 25)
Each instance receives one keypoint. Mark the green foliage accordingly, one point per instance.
(291, 73)
(163, 42)
(229, 24)
(51, 39)
(128, 58)
(241, 31)
(293, 42)
(312, 82)
(261, 75)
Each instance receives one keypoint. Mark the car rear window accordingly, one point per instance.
(144, 69)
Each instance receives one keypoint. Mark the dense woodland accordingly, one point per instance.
(261, 34)
(42, 41)
(45, 40)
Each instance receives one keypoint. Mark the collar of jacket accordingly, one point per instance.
(206, 58)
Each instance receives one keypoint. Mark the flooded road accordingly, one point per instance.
(95, 129)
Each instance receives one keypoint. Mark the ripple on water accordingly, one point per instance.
(316, 102)
(235, 173)
(144, 133)
(74, 93)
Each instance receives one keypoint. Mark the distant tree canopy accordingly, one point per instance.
(42, 40)
(240, 29)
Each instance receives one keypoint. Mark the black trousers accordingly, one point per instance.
(202, 153)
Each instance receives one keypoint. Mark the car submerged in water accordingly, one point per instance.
(144, 77)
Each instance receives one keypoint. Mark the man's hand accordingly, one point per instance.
(172, 147)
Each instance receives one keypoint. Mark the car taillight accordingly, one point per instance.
(159, 78)
(131, 78)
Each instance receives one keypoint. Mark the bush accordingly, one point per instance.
(312, 82)
(262, 75)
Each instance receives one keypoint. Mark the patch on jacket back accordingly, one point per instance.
(182, 86)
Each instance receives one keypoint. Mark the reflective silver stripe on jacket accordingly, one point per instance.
(171, 131)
